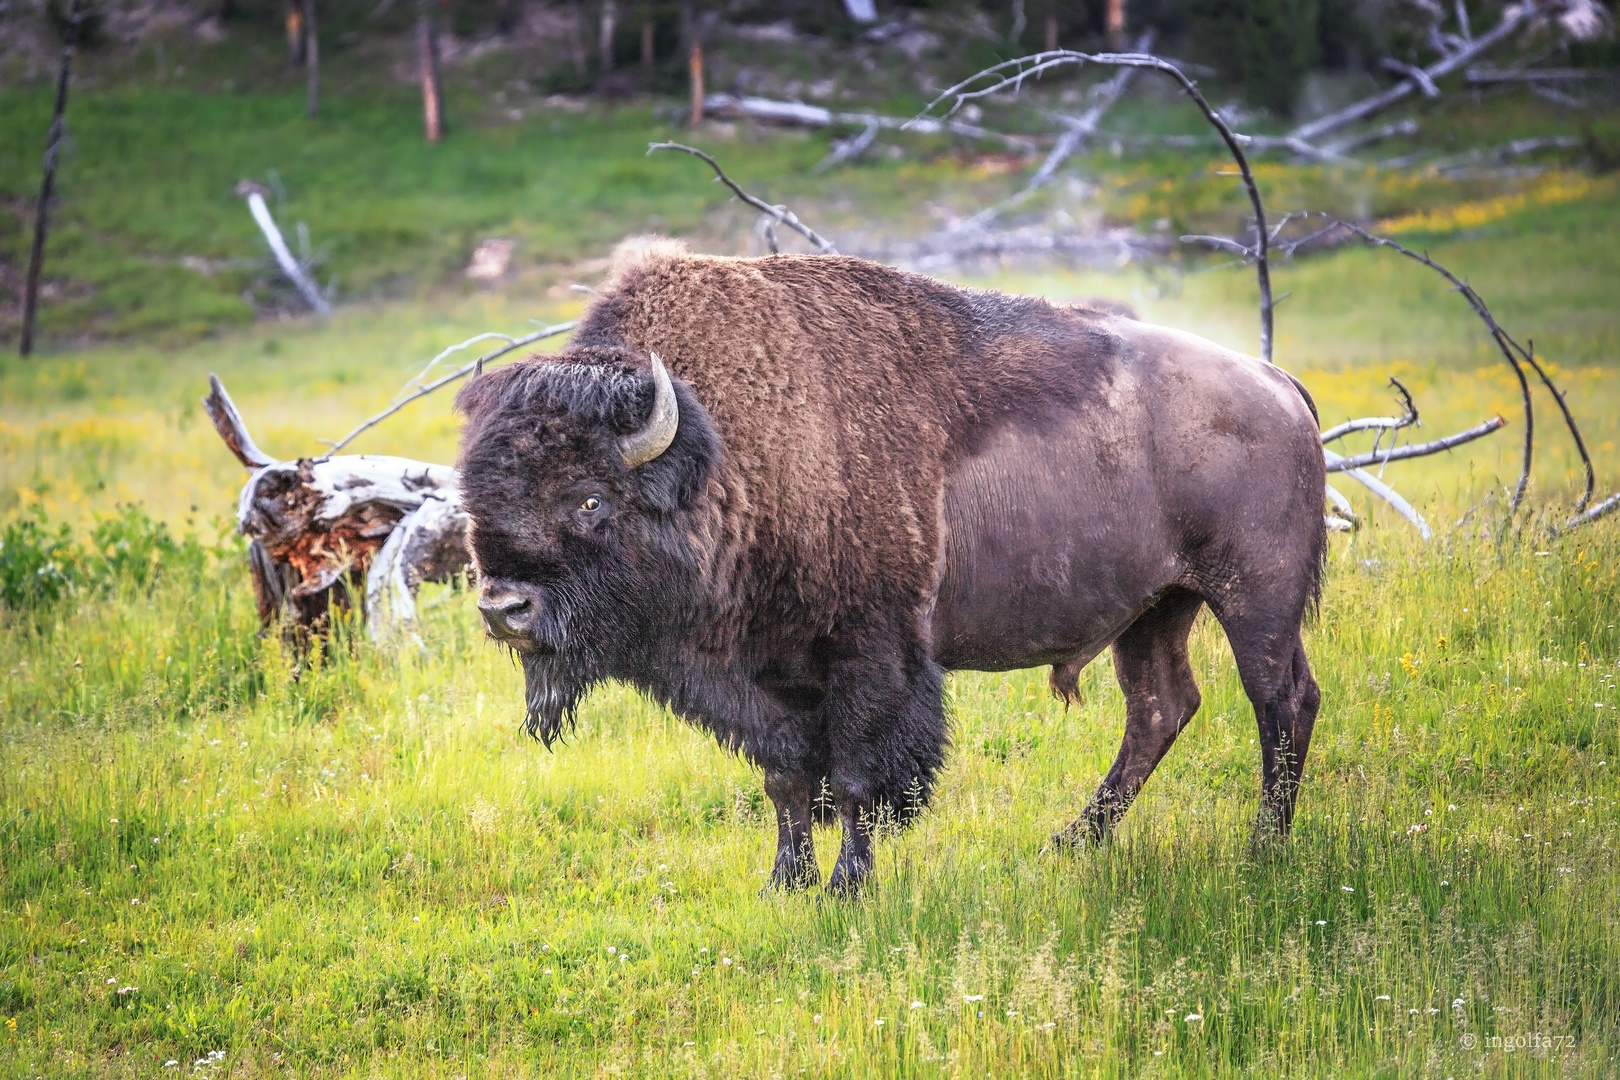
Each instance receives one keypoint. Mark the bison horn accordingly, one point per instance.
(654, 439)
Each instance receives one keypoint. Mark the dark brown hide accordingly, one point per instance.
(908, 476)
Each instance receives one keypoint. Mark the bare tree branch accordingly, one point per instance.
(290, 266)
(1416, 74)
(781, 214)
(228, 422)
(1602, 509)
(1402, 453)
(1511, 350)
(1517, 356)
(1012, 74)
(1077, 131)
(848, 149)
(1372, 135)
(446, 380)
(1377, 423)
(1512, 19)
(1383, 491)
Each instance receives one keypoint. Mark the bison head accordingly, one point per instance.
(578, 471)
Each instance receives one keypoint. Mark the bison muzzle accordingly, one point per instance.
(784, 496)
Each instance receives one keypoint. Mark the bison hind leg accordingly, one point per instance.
(1161, 696)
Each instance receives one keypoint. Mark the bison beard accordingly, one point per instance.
(552, 687)
(872, 477)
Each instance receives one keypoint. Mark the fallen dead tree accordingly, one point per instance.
(989, 247)
(1492, 77)
(316, 525)
(797, 113)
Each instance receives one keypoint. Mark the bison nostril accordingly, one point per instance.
(500, 611)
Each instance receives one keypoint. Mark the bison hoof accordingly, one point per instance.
(1084, 832)
(792, 879)
(846, 883)
(1270, 829)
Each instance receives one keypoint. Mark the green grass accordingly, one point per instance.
(366, 871)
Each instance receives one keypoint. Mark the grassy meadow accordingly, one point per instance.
(209, 866)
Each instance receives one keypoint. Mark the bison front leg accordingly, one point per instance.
(886, 737)
(855, 856)
(792, 796)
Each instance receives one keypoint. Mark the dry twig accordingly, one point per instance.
(1077, 130)
(446, 380)
(780, 214)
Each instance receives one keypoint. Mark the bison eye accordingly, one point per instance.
(592, 504)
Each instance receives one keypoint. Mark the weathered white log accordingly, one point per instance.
(317, 525)
(278, 247)
(428, 544)
(1512, 19)
(815, 116)
(1602, 509)
(1341, 505)
(1488, 76)
(1385, 492)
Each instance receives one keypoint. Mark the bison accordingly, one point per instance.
(783, 496)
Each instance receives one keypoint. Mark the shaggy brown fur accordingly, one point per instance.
(844, 391)
(875, 476)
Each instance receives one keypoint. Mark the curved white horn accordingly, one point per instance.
(654, 439)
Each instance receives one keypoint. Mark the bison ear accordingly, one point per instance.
(480, 391)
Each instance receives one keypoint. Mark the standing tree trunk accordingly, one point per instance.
(295, 35)
(427, 59)
(604, 37)
(312, 57)
(576, 42)
(42, 213)
(1116, 23)
(1051, 31)
(647, 57)
(694, 63)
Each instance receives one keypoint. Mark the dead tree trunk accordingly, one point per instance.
(694, 63)
(604, 36)
(295, 34)
(427, 60)
(576, 39)
(47, 187)
(1116, 23)
(312, 59)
